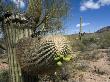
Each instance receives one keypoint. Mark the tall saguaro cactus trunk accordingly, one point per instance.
(80, 35)
(12, 35)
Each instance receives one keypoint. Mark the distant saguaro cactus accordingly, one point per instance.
(80, 32)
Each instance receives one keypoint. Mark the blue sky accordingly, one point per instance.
(95, 14)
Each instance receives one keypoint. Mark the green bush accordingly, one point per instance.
(89, 40)
(4, 76)
(104, 41)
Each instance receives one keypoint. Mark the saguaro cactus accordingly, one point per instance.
(13, 32)
(80, 33)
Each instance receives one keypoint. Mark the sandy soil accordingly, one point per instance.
(99, 70)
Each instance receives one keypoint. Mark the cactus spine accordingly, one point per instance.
(38, 56)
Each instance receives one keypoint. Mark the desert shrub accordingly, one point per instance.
(3, 76)
(98, 71)
(108, 54)
(91, 55)
(81, 65)
(104, 41)
(90, 42)
(87, 43)
(79, 46)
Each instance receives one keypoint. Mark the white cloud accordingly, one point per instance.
(91, 4)
(19, 2)
(22, 4)
(83, 24)
(104, 2)
(83, 8)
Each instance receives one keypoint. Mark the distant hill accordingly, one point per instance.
(104, 29)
